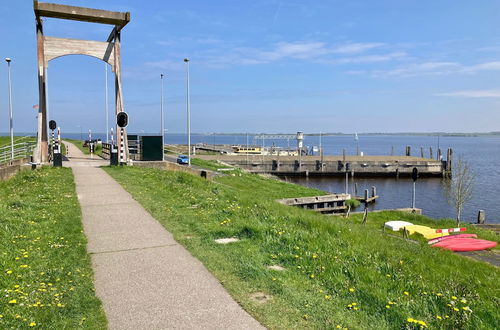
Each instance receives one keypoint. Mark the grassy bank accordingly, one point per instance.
(85, 150)
(338, 272)
(45, 275)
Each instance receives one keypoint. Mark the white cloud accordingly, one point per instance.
(437, 68)
(486, 93)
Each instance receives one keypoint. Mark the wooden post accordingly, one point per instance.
(481, 217)
(392, 151)
(366, 195)
(374, 191)
(422, 152)
(408, 151)
(449, 160)
(439, 154)
(343, 156)
(356, 189)
(431, 154)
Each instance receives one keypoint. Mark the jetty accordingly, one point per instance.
(360, 166)
(333, 203)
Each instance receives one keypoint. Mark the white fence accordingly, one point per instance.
(21, 150)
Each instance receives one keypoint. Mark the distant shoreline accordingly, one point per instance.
(445, 134)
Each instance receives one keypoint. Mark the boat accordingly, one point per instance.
(459, 244)
(427, 232)
(439, 239)
(396, 225)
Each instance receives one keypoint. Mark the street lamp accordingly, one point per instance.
(162, 122)
(8, 60)
(186, 60)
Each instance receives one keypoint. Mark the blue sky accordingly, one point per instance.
(271, 66)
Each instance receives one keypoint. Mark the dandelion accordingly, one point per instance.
(314, 256)
(13, 301)
(463, 301)
(439, 317)
(9, 272)
(410, 320)
(406, 293)
(305, 316)
(387, 306)
(311, 276)
(388, 275)
(32, 324)
(352, 289)
(454, 298)
(455, 309)
(328, 297)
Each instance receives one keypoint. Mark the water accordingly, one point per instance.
(482, 152)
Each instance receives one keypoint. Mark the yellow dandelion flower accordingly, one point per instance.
(387, 306)
(13, 301)
(410, 320)
(314, 256)
(9, 272)
(354, 304)
(463, 301)
(454, 298)
(311, 276)
(351, 289)
(455, 309)
(406, 293)
(439, 317)
(388, 275)
(32, 324)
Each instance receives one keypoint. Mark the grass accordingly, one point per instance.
(85, 150)
(208, 164)
(45, 272)
(339, 273)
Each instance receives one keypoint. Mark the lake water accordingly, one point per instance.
(483, 154)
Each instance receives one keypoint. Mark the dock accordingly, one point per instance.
(359, 166)
(326, 204)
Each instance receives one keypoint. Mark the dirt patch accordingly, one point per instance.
(276, 267)
(260, 297)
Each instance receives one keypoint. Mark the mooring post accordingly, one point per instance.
(374, 191)
(422, 152)
(343, 155)
(356, 189)
(481, 217)
(366, 195)
(408, 151)
(392, 150)
(439, 154)
(430, 153)
(448, 160)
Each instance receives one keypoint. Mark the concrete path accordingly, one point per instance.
(144, 278)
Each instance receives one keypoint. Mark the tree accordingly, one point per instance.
(459, 186)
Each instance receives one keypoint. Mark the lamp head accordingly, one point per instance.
(8, 59)
(186, 60)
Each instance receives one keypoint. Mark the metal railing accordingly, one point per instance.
(21, 150)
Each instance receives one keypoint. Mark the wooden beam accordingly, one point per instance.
(56, 47)
(44, 9)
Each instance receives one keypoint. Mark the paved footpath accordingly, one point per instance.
(144, 278)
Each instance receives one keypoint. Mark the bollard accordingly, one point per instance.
(481, 217)
(366, 195)
(421, 152)
(430, 153)
(408, 151)
(374, 191)
(356, 189)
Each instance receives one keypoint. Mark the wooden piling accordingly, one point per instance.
(481, 217)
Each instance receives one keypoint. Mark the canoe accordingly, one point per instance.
(427, 232)
(465, 244)
(396, 225)
(439, 239)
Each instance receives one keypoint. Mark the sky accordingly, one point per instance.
(269, 66)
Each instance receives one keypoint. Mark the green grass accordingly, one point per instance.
(5, 140)
(208, 164)
(85, 150)
(338, 271)
(45, 272)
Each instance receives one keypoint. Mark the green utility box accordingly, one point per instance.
(151, 148)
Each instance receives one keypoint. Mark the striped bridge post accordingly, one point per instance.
(122, 147)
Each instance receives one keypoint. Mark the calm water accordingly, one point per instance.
(483, 153)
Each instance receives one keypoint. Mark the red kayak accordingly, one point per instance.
(439, 239)
(465, 244)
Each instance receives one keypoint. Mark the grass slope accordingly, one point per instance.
(45, 273)
(339, 273)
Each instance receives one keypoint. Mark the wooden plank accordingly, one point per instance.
(45, 9)
(315, 199)
(56, 47)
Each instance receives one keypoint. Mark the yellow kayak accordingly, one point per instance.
(427, 232)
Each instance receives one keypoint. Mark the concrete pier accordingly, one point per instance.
(362, 166)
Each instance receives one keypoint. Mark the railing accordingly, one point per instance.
(21, 150)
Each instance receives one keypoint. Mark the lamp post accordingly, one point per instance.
(162, 122)
(8, 60)
(186, 60)
(106, 100)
